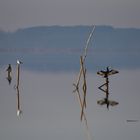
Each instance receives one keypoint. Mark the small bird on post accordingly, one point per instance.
(19, 62)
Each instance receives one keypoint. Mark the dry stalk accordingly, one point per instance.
(85, 55)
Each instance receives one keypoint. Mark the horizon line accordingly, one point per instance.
(57, 25)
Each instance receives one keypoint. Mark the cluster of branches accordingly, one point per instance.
(82, 76)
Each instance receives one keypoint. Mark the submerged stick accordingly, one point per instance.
(84, 115)
(80, 102)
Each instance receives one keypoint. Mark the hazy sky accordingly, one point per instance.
(16, 14)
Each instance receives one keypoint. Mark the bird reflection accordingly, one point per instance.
(105, 87)
(9, 77)
(107, 102)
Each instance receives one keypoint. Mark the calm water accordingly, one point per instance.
(51, 111)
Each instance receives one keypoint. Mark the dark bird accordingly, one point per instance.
(9, 77)
(9, 69)
(107, 73)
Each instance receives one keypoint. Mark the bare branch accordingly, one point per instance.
(85, 54)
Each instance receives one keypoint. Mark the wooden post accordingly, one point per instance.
(18, 72)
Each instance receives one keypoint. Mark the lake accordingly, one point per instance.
(51, 109)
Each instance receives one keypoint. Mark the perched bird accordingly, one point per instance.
(19, 62)
(107, 73)
(9, 69)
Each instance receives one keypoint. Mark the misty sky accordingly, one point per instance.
(16, 14)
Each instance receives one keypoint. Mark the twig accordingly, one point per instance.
(87, 43)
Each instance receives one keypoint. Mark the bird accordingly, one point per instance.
(19, 62)
(107, 73)
(9, 69)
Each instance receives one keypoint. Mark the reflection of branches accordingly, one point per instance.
(83, 115)
(84, 86)
(80, 102)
